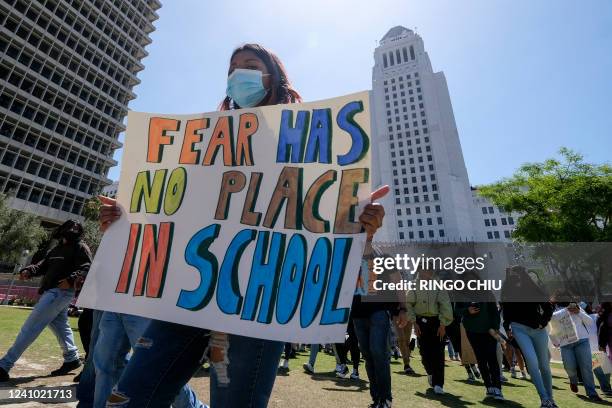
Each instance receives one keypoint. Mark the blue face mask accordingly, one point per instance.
(245, 87)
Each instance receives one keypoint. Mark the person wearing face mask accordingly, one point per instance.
(243, 369)
(64, 265)
(526, 313)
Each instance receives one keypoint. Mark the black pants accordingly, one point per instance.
(431, 348)
(288, 349)
(351, 345)
(453, 332)
(485, 348)
(85, 323)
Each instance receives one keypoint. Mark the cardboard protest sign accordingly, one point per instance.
(562, 328)
(243, 221)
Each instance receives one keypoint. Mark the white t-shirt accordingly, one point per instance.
(592, 328)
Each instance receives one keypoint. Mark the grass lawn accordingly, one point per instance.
(298, 389)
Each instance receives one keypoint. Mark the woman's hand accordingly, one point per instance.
(109, 212)
(372, 216)
(401, 319)
(441, 332)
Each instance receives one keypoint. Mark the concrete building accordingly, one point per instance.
(111, 190)
(416, 150)
(67, 69)
(416, 147)
(496, 223)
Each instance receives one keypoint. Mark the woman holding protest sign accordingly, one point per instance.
(243, 368)
(570, 332)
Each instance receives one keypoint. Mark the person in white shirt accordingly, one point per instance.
(576, 350)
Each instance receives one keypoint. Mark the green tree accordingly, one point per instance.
(18, 231)
(91, 226)
(564, 200)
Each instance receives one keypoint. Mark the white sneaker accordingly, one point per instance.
(430, 380)
(308, 368)
(438, 390)
(523, 375)
(355, 374)
(286, 364)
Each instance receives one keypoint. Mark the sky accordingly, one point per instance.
(525, 77)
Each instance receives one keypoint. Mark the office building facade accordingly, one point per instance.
(67, 69)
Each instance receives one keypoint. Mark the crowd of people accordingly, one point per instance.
(133, 361)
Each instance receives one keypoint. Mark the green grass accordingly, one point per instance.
(298, 389)
(45, 349)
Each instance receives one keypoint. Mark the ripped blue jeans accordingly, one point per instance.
(118, 333)
(244, 378)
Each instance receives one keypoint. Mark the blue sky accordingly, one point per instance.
(525, 77)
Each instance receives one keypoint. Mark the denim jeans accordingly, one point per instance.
(117, 333)
(373, 336)
(174, 353)
(577, 356)
(51, 310)
(87, 384)
(314, 350)
(534, 346)
(603, 379)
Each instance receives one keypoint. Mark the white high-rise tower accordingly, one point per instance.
(416, 147)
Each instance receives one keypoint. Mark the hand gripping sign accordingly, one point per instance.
(242, 221)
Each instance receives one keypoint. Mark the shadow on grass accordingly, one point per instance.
(24, 380)
(345, 384)
(602, 402)
(468, 382)
(512, 385)
(447, 400)
(415, 375)
(490, 402)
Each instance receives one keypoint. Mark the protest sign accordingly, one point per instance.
(242, 221)
(562, 328)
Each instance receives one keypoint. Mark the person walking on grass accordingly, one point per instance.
(527, 312)
(480, 319)
(430, 312)
(65, 265)
(576, 352)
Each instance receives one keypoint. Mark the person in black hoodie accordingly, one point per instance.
(64, 265)
(526, 321)
(481, 320)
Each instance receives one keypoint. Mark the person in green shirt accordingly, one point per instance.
(430, 312)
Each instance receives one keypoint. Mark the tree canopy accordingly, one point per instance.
(560, 200)
(18, 231)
